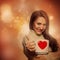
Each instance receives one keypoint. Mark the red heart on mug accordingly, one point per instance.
(42, 44)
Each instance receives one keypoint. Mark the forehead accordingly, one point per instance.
(41, 20)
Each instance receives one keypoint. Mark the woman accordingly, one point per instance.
(39, 29)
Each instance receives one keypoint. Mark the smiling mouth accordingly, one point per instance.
(40, 30)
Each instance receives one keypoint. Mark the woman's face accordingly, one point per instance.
(39, 25)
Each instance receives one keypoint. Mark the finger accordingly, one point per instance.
(29, 43)
(32, 49)
(32, 44)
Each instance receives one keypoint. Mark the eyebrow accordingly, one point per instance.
(41, 23)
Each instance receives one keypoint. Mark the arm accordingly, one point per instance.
(27, 52)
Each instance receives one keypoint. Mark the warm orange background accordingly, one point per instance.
(15, 14)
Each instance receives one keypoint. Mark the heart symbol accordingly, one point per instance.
(42, 44)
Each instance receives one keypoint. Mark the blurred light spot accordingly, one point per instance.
(52, 30)
(6, 13)
(51, 17)
(25, 29)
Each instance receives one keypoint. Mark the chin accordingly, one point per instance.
(38, 33)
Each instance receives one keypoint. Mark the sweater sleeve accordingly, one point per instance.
(28, 53)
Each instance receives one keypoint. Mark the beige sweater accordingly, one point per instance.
(33, 37)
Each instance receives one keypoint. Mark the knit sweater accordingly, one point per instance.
(32, 36)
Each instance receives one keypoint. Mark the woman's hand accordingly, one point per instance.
(30, 45)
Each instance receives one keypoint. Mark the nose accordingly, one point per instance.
(41, 27)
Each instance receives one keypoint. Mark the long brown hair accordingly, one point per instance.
(52, 41)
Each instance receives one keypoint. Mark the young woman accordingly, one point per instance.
(39, 29)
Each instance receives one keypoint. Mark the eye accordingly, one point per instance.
(44, 24)
(39, 23)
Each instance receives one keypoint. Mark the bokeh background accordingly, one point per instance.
(15, 15)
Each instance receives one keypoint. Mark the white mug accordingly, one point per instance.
(42, 46)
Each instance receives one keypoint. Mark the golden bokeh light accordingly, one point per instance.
(6, 13)
(25, 29)
(51, 17)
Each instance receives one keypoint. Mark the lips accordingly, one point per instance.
(40, 31)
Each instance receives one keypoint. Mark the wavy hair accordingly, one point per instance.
(52, 41)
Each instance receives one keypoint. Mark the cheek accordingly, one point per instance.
(44, 28)
(35, 26)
